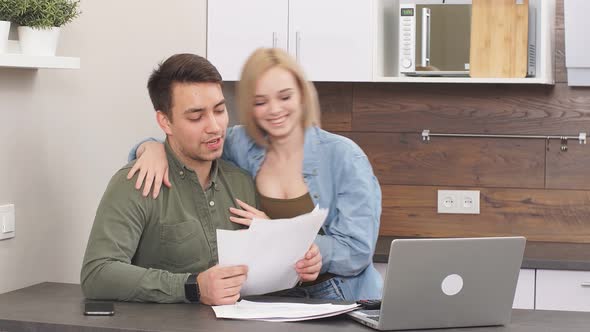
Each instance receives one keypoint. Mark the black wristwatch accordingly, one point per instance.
(191, 289)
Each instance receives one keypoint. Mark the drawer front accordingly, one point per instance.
(563, 290)
(524, 297)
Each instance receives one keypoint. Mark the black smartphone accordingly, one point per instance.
(99, 309)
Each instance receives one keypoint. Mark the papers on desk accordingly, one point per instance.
(270, 249)
(280, 312)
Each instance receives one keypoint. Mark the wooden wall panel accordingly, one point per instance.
(559, 23)
(471, 108)
(405, 159)
(528, 187)
(560, 69)
(569, 169)
(336, 105)
(540, 215)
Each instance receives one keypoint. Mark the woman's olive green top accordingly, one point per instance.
(279, 208)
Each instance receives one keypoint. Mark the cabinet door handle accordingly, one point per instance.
(298, 46)
(585, 284)
(274, 40)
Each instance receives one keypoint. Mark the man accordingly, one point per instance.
(165, 250)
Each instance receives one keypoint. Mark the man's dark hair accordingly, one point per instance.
(179, 68)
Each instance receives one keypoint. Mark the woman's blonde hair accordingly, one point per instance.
(259, 63)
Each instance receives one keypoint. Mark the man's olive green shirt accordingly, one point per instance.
(141, 249)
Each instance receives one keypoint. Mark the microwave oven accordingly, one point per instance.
(434, 38)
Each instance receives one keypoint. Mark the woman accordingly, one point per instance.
(297, 165)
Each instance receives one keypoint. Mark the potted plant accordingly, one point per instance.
(40, 23)
(9, 9)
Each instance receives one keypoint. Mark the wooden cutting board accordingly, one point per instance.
(499, 38)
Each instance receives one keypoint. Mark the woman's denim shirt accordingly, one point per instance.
(339, 177)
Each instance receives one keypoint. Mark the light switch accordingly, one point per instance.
(7, 222)
(8, 225)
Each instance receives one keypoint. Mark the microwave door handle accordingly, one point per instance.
(425, 54)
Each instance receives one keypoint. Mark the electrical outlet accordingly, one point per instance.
(458, 201)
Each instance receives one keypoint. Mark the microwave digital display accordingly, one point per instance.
(407, 11)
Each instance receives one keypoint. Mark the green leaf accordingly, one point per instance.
(45, 14)
(9, 9)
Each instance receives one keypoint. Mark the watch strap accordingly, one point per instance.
(191, 288)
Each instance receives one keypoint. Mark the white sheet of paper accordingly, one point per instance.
(280, 312)
(270, 249)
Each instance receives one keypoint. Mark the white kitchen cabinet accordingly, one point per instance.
(577, 50)
(524, 297)
(332, 39)
(235, 28)
(563, 290)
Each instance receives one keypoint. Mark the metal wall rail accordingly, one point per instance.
(426, 134)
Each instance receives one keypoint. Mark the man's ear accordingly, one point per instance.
(163, 122)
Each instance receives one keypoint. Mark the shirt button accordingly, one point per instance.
(316, 196)
(181, 173)
(211, 203)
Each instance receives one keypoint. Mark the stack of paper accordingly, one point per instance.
(280, 312)
(270, 249)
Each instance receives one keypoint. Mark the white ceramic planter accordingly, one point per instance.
(4, 30)
(38, 41)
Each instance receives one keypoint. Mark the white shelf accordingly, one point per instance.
(408, 79)
(14, 59)
(385, 67)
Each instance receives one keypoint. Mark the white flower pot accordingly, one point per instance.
(38, 41)
(4, 30)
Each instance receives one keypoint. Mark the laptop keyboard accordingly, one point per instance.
(372, 314)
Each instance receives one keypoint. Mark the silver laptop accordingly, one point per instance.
(442, 283)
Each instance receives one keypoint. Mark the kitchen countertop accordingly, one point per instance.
(537, 255)
(58, 307)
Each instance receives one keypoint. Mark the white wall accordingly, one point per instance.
(63, 133)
